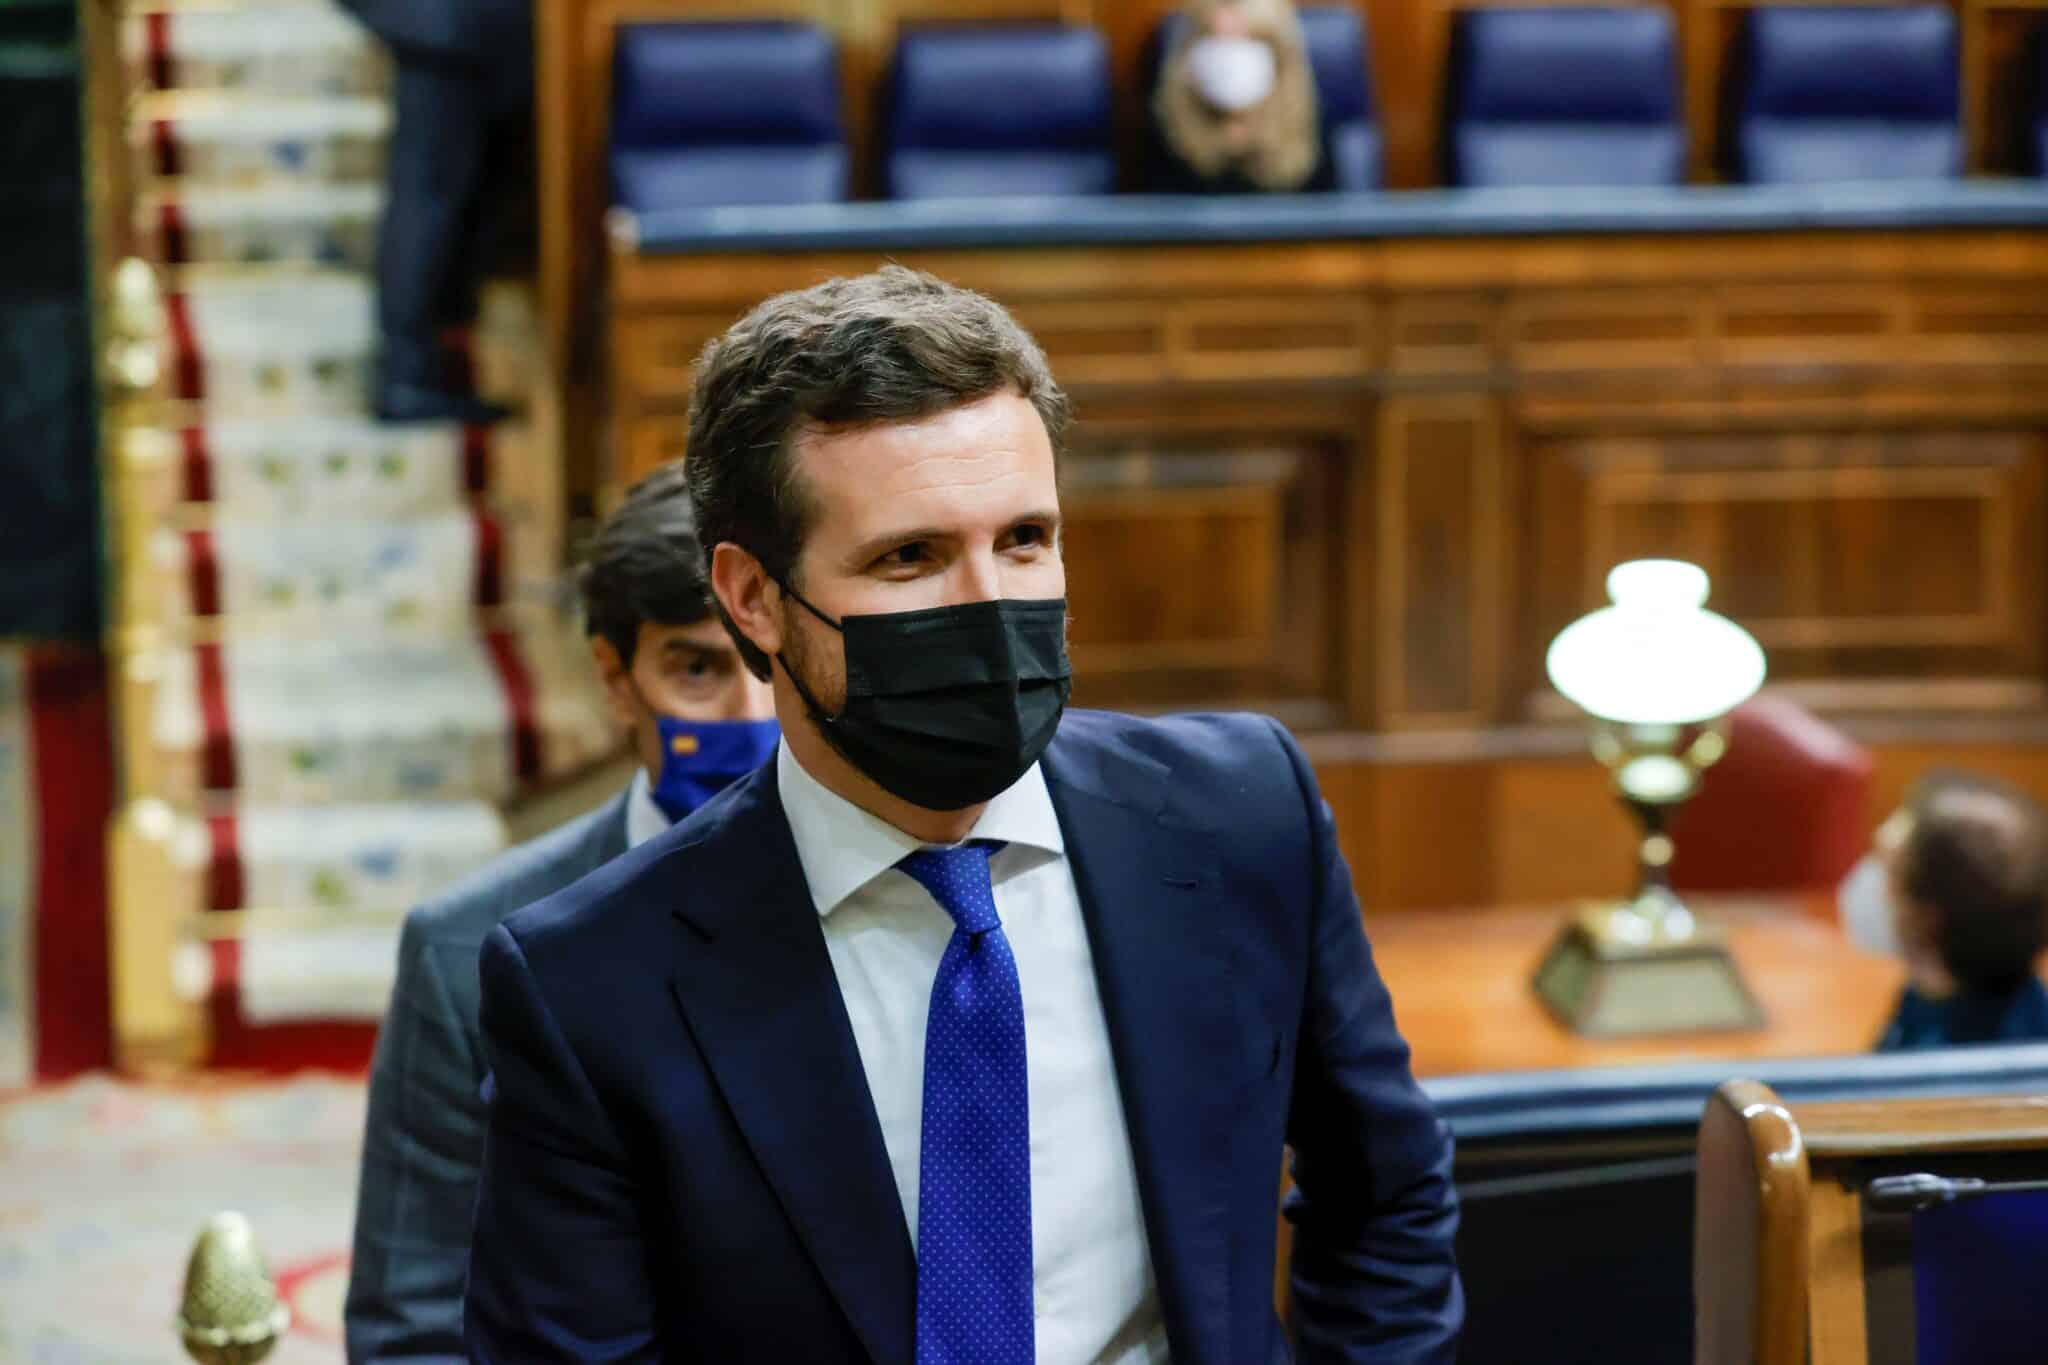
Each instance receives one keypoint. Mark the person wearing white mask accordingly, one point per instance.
(1956, 884)
(1234, 110)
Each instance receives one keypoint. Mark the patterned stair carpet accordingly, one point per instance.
(104, 1186)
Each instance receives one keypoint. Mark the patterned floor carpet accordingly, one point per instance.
(104, 1186)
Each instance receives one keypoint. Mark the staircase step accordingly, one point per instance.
(314, 224)
(294, 467)
(342, 576)
(289, 47)
(359, 718)
(225, 139)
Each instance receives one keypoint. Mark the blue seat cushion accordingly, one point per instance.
(1805, 151)
(1850, 93)
(705, 114)
(1000, 109)
(735, 84)
(645, 179)
(1583, 95)
(921, 174)
(1567, 154)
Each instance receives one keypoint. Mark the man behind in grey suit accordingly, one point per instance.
(698, 720)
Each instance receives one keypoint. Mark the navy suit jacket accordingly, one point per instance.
(682, 1161)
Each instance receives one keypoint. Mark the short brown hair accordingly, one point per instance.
(891, 346)
(1977, 859)
(645, 566)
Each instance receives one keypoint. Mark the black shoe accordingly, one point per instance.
(400, 403)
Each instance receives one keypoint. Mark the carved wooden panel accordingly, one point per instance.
(1100, 343)
(1252, 340)
(657, 356)
(651, 441)
(1442, 559)
(1440, 334)
(1846, 554)
(1812, 326)
(1974, 324)
(1201, 576)
(1552, 333)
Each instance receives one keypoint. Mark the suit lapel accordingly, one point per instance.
(1165, 996)
(758, 992)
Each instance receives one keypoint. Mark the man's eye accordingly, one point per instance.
(698, 667)
(916, 552)
(1030, 534)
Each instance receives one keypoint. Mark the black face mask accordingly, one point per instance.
(947, 707)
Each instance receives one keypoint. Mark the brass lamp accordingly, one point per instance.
(1658, 674)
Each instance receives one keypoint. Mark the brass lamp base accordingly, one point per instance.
(1615, 973)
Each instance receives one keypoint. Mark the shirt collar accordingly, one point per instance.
(843, 848)
(644, 819)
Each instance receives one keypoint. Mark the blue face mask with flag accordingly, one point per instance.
(701, 758)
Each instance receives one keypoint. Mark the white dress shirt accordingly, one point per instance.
(644, 819)
(1093, 1291)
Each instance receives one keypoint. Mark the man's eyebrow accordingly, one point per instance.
(697, 646)
(876, 545)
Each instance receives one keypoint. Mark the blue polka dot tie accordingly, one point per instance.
(974, 1167)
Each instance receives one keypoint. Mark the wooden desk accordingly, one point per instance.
(1460, 980)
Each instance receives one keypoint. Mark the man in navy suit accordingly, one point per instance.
(970, 1029)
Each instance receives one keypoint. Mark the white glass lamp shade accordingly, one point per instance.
(1656, 656)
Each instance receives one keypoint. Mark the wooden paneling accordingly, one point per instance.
(1559, 833)
(1203, 575)
(1907, 555)
(1101, 344)
(658, 356)
(1261, 340)
(1848, 430)
(1432, 837)
(1565, 332)
(1180, 578)
(2000, 81)
(1437, 823)
(1442, 556)
(652, 440)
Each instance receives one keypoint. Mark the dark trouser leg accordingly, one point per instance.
(425, 258)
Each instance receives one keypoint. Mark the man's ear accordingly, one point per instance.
(617, 678)
(750, 597)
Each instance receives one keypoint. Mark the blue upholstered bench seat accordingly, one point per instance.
(1565, 96)
(1000, 109)
(1850, 93)
(712, 113)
